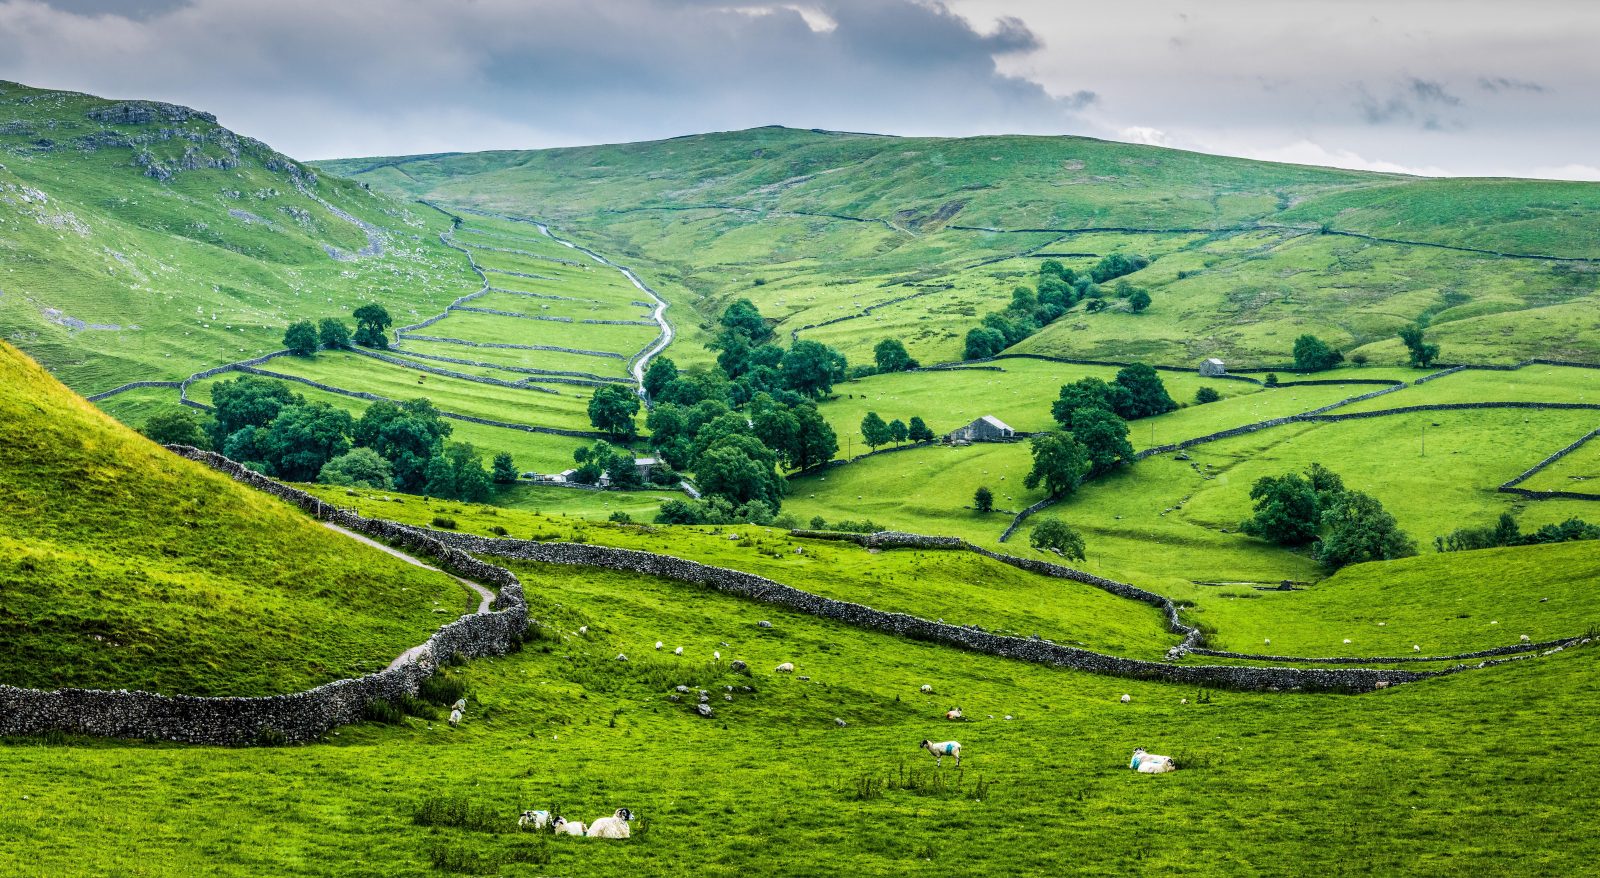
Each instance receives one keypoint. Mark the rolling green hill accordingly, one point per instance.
(819, 227)
(125, 566)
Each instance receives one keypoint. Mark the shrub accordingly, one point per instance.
(1358, 359)
(380, 711)
(442, 689)
(1272, 379)
(444, 522)
(621, 517)
(456, 811)
(818, 522)
(983, 499)
(1206, 394)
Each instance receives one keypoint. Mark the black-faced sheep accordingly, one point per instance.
(564, 826)
(615, 826)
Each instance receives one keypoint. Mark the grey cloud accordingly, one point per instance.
(134, 9)
(1421, 102)
(1505, 83)
(1432, 92)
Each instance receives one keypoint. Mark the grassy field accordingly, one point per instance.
(1528, 384)
(125, 566)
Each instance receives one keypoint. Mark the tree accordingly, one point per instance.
(1311, 354)
(1422, 353)
(810, 368)
(407, 435)
(458, 474)
(898, 431)
(246, 402)
(983, 342)
(1053, 267)
(1054, 535)
(176, 427)
(358, 468)
(1285, 510)
(302, 438)
(1116, 265)
(891, 356)
(1206, 394)
(1104, 438)
(874, 430)
(777, 427)
(301, 338)
(333, 334)
(371, 321)
(1146, 394)
(740, 469)
(612, 408)
(1059, 463)
(1087, 392)
(817, 442)
(505, 469)
(1325, 483)
(983, 499)
(1139, 300)
(662, 372)
(1271, 380)
(917, 431)
(1360, 529)
(745, 319)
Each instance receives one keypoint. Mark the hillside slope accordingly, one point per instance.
(852, 238)
(124, 566)
(143, 241)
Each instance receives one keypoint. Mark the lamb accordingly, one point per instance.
(1149, 763)
(678, 651)
(615, 826)
(926, 689)
(569, 827)
(539, 819)
(1526, 639)
(943, 749)
(583, 629)
(659, 644)
(785, 668)
(455, 718)
(954, 713)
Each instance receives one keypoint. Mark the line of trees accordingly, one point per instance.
(1093, 438)
(1506, 532)
(876, 432)
(1056, 292)
(304, 338)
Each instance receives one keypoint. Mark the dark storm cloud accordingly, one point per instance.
(416, 75)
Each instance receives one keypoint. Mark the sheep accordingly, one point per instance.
(539, 819)
(678, 651)
(659, 644)
(1149, 763)
(716, 654)
(926, 689)
(583, 629)
(461, 704)
(943, 749)
(954, 713)
(455, 718)
(1526, 639)
(615, 826)
(1416, 648)
(785, 668)
(622, 657)
(564, 826)
(1126, 698)
(1347, 640)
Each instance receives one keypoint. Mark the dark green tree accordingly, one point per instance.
(744, 318)
(371, 321)
(1146, 394)
(983, 499)
(917, 431)
(304, 437)
(612, 409)
(1422, 353)
(874, 430)
(358, 468)
(1104, 437)
(1054, 535)
(176, 427)
(983, 342)
(1116, 265)
(1059, 463)
(458, 474)
(1311, 354)
(1206, 394)
(890, 356)
(407, 435)
(505, 469)
(898, 431)
(817, 443)
(740, 469)
(333, 334)
(778, 428)
(246, 402)
(301, 338)
(1360, 529)
(1139, 300)
(662, 372)
(1085, 393)
(1285, 510)
(810, 368)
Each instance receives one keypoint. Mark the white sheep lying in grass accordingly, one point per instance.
(455, 717)
(539, 819)
(615, 826)
(564, 826)
(678, 651)
(926, 689)
(943, 749)
(1125, 699)
(1149, 763)
(1526, 639)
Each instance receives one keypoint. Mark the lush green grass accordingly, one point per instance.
(1528, 384)
(122, 565)
(473, 326)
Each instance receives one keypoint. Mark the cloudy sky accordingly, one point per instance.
(1427, 86)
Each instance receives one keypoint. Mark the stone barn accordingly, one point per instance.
(1213, 367)
(985, 429)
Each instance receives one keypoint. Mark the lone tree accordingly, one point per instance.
(1422, 353)
(1360, 529)
(874, 430)
(898, 431)
(612, 409)
(917, 431)
(333, 334)
(1054, 535)
(301, 338)
(371, 321)
(1139, 301)
(1285, 510)
(1206, 394)
(1059, 463)
(891, 356)
(1311, 354)
(983, 499)
(505, 470)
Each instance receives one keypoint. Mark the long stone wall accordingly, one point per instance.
(134, 385)
(450, 373)
(1510, 487)
(298, 716)
(521, 347)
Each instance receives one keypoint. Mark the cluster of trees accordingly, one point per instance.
(890, 356)
(1342, 526)
(1094, 419)
(304, 337)
(1422, 353)
(1059, 289)
(402, 447)
(1507, 532)
(876, 432)
(748, 358)
(1054, 535)
(1312, 354)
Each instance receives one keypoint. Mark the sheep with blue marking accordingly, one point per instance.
(942, 749)
(1149, 763)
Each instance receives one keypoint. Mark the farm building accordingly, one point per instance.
(1213, 367)
(644, 466)
(985, 429)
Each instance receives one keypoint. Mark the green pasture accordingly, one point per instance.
(626, 340)
(557, 361)
(1528, 384)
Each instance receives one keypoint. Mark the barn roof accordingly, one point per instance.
(1213, 360)
(993, 421)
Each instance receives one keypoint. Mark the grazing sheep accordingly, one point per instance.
(455, 718)
(1126, 698)
(583, 629)
(615, 826)
(678, 651)
(659, 644)
(1149, 763)
(461, 704)
(569, 827)
(954, 713)
(1416, 648)
(785, 668)
(1347, 640)
(1183, 701)
(926, 689)
(943, 749)
(622, 657)
(716, 654)
(1267, 641)
(839, 722)
(539, 819)
(763, 624)
(703, 709)
(1525, 639)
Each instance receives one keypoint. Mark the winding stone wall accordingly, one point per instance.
(450, 373)
(299, 716)
(134, 385)
(521, 347)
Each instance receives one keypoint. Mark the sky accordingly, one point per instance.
(1438, 87)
